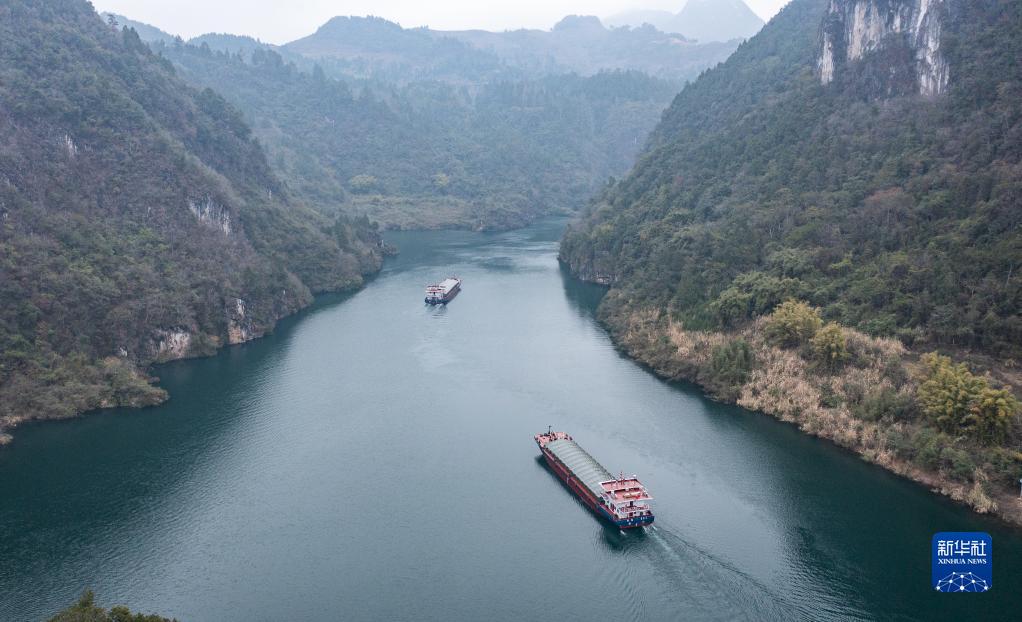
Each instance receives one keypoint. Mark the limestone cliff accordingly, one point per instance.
(856, 29)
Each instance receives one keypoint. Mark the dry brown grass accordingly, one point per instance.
(786, 386)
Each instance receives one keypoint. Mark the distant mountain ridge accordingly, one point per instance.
(430, 154)
(700, 20)
(373, 47)
(352, 131)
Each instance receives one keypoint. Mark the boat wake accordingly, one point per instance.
(700, 584)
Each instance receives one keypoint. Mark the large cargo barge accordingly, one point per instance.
(621, 500)
(442, 293)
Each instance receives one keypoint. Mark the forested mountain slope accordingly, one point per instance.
(139, 218)
(859, 161)
(430, 154)
(895, 211)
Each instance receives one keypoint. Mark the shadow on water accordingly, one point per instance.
(583, 297)
(202, 420)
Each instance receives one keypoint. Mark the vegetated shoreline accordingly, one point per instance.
(144, 391)
(778, 389)
(124, 384)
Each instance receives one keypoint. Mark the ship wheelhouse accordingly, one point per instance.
(626, 498)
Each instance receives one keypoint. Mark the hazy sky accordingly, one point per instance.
(280, 21)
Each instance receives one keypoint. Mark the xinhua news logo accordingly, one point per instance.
(962, 562)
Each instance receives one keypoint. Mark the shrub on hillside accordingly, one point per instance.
(793, 323)
(730, 366)
(829, 346)
(362, 184)
(885, 403)
(958, 402)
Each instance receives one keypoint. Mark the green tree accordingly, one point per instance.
(991, 415)
(363, 183)
(829, 346)
(947, 392)
(958, 402)
(730, 366)
(86, 610)
(793, 323)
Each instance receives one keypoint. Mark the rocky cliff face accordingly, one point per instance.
(855, 29)
(210, 213)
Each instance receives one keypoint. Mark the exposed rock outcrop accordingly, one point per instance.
(855, 29)
(209, 212)
(239, 325)
(172, 344)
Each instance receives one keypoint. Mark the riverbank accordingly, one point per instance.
(865, 406)
(75, 386)
(744, 503)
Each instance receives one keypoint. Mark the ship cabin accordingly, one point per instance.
(627, 498)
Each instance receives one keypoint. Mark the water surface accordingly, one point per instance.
(373, 459)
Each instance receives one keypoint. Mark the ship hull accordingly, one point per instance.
(587, 497)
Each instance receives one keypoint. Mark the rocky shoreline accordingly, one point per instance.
(121, 382)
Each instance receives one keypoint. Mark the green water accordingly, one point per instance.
(373, 459)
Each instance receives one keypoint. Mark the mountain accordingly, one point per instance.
(862, 156)
(145, 31)
(418, 128)
(139, 219)
(661, 20)
(430, 154)
(375, 48)
(584, 45)
(699, 20)
(717, 20)
(853, 151)
(372, 47)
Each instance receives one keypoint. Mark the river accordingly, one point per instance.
(373, 459)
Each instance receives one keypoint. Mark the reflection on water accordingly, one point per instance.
(374, 459)
(583, 297)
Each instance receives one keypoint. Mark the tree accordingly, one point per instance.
(731, 364)
(991, 415)
(793, 323)
(86, 610)
(829, 346)
(363, 183)
(947, 392)
(958, 402)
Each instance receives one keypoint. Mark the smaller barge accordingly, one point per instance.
(442, 293)
(622, 500)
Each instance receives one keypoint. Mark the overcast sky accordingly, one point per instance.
(280, 21)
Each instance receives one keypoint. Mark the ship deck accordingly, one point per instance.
(583, 466)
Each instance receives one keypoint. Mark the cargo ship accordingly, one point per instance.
(442, 293)
(623, 501)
